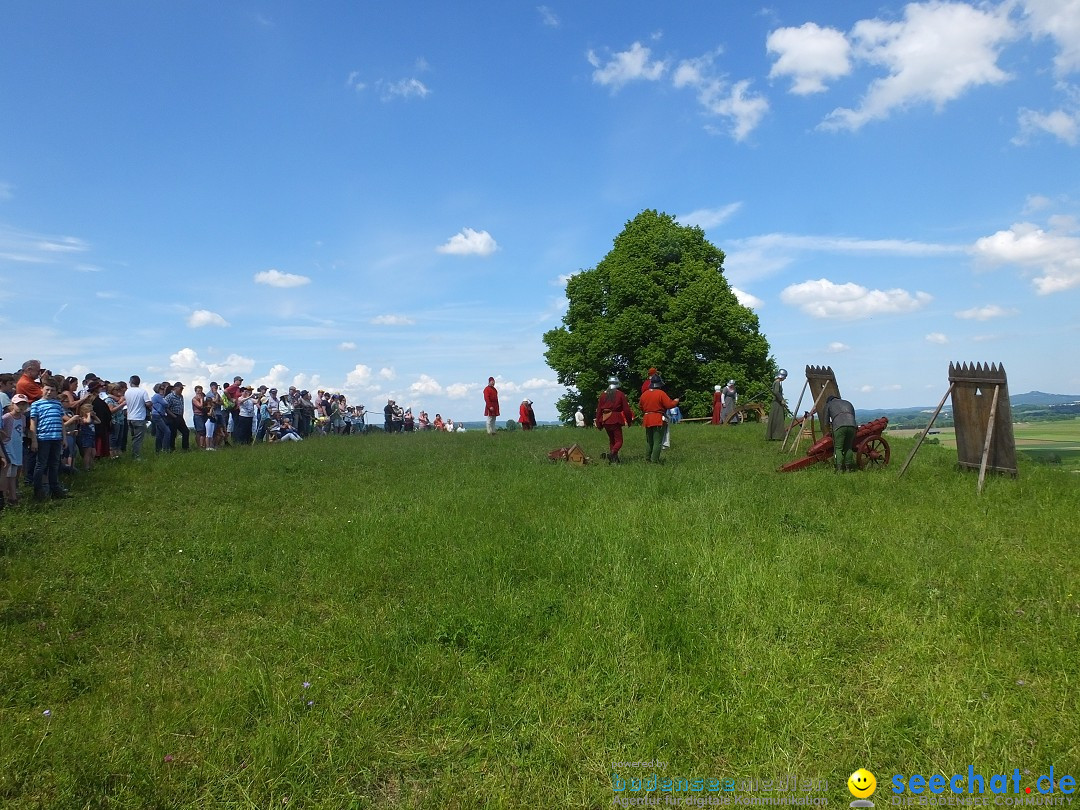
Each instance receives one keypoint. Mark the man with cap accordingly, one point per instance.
(646, 384)
(840, 417)
(655, 404)
(174, 417)
(232, 392)
(612, 412)
(775, 430)
(491, 405)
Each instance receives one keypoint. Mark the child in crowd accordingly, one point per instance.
(12, 426)
(87, 436)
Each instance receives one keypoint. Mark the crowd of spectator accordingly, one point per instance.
(53, 423)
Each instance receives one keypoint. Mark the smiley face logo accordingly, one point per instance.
(862, 784)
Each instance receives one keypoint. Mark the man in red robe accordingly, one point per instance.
(524, 417)
(612, 412)
(491, 405)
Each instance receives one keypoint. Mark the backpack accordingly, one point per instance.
(227, 403)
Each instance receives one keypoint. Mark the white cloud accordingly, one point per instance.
(354, 81)
(7, 191)
(744, 110)
(626, 66)
(233, 364)
(469, 243)
(937, 337)
(1064, 126)
(746, 299)
(31, 248)
(186, 360)
(403, 88)
(765, 255)
(387, 373)
(460, 390)
(425, 384)
(824, 299)
(204, 317)
(1037, 202)
(939, 51)
(346, 345)
(547, 17)
(1060, 20)
(392, 320)
(359, 377)
(865, 389)
(1053, 256)
(275, 278)
(810, 55)
(275, 378)
(187, 365)
(706, 218)
(836, 347)
(984, 313)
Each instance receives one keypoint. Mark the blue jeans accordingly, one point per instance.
(116, 433)
(162, 434)
(48, 463)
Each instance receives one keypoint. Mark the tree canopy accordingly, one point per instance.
(657, 299)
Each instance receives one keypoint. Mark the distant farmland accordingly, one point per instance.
(1056, 442)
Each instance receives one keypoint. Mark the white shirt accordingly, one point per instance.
(138, 403)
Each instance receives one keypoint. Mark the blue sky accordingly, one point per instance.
(385, 199)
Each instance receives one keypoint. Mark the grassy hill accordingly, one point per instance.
(454, 621)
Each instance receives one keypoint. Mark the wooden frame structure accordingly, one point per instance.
(822, 384)
(982, 420)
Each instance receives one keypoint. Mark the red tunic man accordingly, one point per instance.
(491, 405)
(654, 403)
(612, 412)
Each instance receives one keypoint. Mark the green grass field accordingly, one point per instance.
(455, 621)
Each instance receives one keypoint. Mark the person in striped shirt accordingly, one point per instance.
(46, 440)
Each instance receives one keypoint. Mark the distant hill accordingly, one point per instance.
(1040, 398)
(1033, 404)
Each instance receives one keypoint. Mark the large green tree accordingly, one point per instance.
(658, 298)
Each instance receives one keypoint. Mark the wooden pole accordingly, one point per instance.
(794, 417)
(989, 436)
(933, 419)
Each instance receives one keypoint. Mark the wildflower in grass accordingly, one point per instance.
(47, 713)
(306, 684)
(310, 703)
(168, 758)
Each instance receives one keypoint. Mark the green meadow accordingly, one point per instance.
(429, 621)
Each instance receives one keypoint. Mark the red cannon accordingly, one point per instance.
(871, 448)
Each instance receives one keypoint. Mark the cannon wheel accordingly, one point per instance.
(743, 412)
(873, 453)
